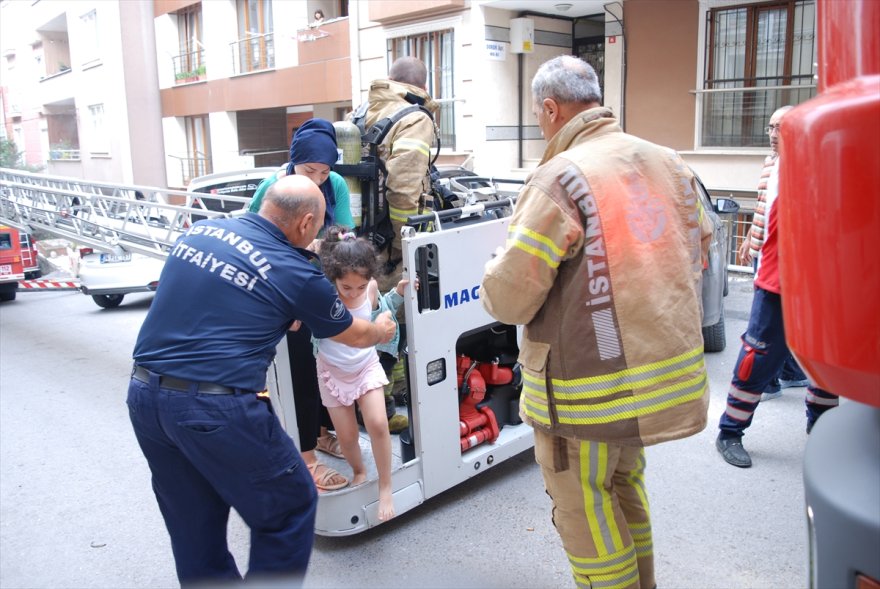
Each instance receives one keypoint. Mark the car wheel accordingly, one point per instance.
(714, 339)
(108, 301)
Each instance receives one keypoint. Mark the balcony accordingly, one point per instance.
(254, 53)
(192, 167)
(389, 12)
(190, 67)
(57, 87)
(57, 155)
(324, 43)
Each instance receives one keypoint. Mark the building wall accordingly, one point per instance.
(119, 75)
(659, 101)
(143, 149)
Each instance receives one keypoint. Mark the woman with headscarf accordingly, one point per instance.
(312, 153)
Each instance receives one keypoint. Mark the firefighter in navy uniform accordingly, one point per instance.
(230, 289)
(602, 266)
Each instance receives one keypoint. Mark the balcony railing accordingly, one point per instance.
(253, 53)
(189, 67)
(57, 155)
(193, 167)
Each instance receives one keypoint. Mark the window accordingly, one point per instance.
(100, 140)
(90, 44)
(435, 49)
(198, 147)
(189, 62)
(758, 57)
(255, 48)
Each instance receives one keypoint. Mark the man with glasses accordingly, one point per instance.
(791, 374)
(764, 350)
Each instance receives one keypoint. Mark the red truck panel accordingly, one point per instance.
(829, 213)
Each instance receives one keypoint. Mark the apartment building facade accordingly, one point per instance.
(234, 78)
(79, 82)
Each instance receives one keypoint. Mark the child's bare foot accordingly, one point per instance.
(386, 506)
(358, 479)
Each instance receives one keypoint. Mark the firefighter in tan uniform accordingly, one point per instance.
(406, 150)
(406, 155)
(602, 265)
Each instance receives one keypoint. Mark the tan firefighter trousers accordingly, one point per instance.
(600, 509)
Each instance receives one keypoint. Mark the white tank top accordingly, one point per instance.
(344, 356)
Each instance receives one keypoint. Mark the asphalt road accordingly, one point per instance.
(77, 511)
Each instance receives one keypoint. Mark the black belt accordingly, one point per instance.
(178, 384)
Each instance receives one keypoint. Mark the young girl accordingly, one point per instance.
(347, 374)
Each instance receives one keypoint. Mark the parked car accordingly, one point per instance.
(715, 285)
(241, 183)
(108, 276)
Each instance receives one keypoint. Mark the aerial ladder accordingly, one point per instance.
(462, 375)
(105, 216)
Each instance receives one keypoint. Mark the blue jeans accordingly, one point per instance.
(761, 357)
(209, 452)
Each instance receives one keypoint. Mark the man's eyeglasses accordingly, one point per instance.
(771, 128)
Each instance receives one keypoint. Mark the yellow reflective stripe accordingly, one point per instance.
(401, 214)
(534, 394)
(590, 490)
(637, 481)
(621, 580)
(631, 372)
(615, 571)
(559, 386)
(641, 535)
(534, 243)
(405, 143)
(633, 407)
(607, 505)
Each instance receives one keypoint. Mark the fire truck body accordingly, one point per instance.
(12, 263)
(829, 239)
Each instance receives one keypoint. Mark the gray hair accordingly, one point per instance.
(566, 79)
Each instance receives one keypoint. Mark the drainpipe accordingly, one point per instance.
(520, 68)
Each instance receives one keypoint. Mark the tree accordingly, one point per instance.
(10, 157)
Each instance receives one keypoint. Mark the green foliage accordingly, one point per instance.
(10, 157)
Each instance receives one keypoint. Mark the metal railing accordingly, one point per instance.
(253, 53)
(56, 155)
(737, 228)
(737, 117)
(193, 167)
(190, 66)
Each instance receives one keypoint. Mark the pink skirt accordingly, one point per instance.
(339, 387)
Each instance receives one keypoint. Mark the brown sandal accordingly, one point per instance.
(329, 444)
(323, 476)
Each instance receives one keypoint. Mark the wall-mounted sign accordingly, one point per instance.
(496, 50)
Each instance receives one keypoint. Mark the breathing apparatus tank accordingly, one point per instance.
(348, 138)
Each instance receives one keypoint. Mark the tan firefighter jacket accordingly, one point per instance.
(603, 265)
(406, 150)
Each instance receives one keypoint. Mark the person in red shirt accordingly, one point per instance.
(764, 350)
(791, 374)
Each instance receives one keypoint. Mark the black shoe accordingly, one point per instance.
(731, 449)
